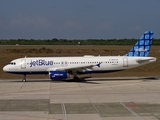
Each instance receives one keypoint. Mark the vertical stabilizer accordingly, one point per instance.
(142, 47)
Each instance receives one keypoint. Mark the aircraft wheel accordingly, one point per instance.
(24, 80)
(76, 78)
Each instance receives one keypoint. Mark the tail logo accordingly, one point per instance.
(141, 50)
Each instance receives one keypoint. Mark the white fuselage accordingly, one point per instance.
(42, 65)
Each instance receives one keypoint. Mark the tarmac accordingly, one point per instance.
(114, 98)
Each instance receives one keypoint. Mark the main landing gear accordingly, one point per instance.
(75, 78)
(24, 78)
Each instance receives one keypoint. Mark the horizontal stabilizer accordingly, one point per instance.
(141, 61)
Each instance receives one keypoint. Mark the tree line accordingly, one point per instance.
(56, 41)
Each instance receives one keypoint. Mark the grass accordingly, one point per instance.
(8, 53)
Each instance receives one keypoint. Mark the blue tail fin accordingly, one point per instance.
(142, 47)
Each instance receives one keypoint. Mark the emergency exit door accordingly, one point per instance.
(64, 63)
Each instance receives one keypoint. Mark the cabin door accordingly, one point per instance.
(125, 62)
(23, 64)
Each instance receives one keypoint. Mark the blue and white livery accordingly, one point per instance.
(64, 67)
(143, 45)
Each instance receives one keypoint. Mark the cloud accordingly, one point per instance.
(70, 25)
(137, 27)
(106, 26)
(2, 28)
(30, 22)
(91, 6)
(1, 25)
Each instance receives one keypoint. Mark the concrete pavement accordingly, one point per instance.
(117, 98)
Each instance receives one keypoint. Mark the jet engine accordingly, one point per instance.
(54, 75)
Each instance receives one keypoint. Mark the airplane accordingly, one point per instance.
(64, 67)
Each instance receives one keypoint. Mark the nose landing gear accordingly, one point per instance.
(24, 78)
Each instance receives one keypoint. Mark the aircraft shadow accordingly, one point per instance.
(126, 78)
(88, 80)
(151, 78)
(81, 80)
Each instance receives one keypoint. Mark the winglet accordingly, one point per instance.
(142, 47)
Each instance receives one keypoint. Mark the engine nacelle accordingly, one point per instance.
(58, 75)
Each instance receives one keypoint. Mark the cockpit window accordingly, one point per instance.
(12, 63)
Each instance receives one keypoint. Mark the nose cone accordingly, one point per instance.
(5, 69)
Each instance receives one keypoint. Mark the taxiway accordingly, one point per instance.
(134, 98)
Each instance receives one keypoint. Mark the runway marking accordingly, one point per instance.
(96, 109)
(21, 87)
(133, 112)
(64, 111)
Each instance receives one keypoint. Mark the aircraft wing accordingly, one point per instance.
(70, 68)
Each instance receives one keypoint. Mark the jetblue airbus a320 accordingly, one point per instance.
(63, 67)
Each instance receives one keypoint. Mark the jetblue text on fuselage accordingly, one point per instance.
(41, 62)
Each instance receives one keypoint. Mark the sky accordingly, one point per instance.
(78, 19)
